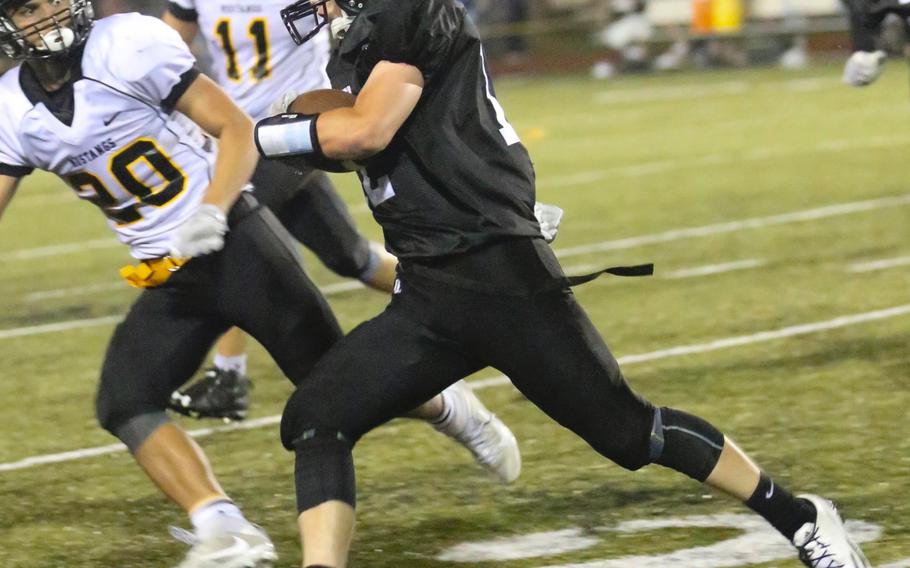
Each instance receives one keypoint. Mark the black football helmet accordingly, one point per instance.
(58, 34)
(303, 9)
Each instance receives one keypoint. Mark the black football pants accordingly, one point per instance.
(256, 282)
(433, 334)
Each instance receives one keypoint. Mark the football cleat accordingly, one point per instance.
(249, 547)
(825, 543)
(218, 394)
(489, 440)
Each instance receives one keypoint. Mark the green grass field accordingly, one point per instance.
(762, 196)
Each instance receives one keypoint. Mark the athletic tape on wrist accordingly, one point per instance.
(287, 135)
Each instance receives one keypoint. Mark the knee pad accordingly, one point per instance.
(323, 469)
(136, 430)
(129, 420)
(685, 443)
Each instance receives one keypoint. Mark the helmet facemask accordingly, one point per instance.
(58, 34)
(303, 9)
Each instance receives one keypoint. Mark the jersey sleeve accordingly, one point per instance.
(420, 33)
(12, 159)
(184, 10)
(158, 66)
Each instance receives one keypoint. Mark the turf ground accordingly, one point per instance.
(777, 209)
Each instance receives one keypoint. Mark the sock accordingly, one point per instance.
(218, 516)
(232, 363)
(779, 507)
(455, 416)
(372, 267)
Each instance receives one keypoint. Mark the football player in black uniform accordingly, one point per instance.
(453, 189)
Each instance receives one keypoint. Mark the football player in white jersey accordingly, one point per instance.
(95, 105)
(94, 108)
(254, 60)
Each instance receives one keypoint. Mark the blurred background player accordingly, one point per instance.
(867, 18)
(627, 36)
(251, 60)
(96, 106)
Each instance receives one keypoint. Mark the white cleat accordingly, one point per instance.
(249, 547)
(489, 440)
(825, 543)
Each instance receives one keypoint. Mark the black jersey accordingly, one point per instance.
(455, 176)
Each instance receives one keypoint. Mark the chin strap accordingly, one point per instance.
(340, 26)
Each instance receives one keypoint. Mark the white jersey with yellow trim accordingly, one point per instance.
(123, 150)
(254, 58)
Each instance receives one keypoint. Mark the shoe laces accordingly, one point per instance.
(183, 535)
(815, 551)
(482, 444)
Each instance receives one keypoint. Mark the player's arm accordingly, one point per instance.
(8, 186)
(385, 102)
(208, 106)
(331, 140)
(188, 29)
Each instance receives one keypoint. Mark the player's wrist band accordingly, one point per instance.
(294, 138)
(288, 135)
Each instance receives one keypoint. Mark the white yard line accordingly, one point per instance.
(905, 563)
(811, 84)
(43, 200)
(670, 93)
(709, 269)
(74, 291)
(726, 343)
(59, 250)
(733, 226)
(690, 91)
(880, 264)
(618, 244)
(328, 290)
(60, 326)
(641, 169)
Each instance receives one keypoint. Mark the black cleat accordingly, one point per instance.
(218, 394)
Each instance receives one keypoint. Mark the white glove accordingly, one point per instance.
(864, 67)
(281, 105)
(201, 233)
(548, 217)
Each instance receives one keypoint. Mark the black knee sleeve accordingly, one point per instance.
(685, 443)
(324, 469)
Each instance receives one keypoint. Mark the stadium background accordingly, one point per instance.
(774, 202)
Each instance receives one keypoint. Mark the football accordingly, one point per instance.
(321, 100)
